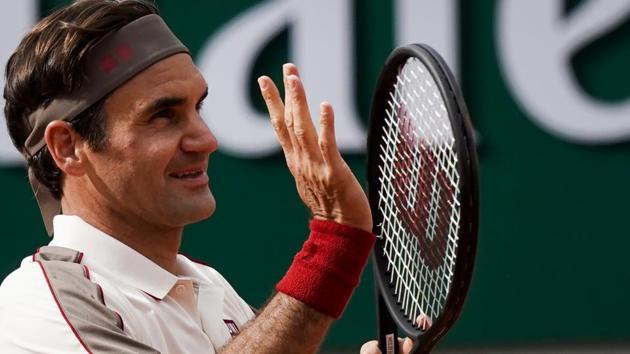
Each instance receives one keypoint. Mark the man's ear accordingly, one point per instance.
(65, 147)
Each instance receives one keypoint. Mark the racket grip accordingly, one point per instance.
(387, 330)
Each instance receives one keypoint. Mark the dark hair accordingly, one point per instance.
(50, 62)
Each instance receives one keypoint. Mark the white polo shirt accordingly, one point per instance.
(90, 293)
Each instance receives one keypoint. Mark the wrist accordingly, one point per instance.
(364, 225)
(328, 268)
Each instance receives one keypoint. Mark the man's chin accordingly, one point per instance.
(201, 211)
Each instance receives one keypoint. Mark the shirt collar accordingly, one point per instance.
(111, 258)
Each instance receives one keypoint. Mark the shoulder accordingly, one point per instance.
(27, 303)
(30, 285)
(26, 280)
(52, 273)
(53, 293)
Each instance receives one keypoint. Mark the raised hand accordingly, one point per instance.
(324, 181)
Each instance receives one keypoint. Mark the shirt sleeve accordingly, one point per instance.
(53, 307)
(30, 320)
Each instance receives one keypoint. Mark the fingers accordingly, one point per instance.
(288, 70)
(275, 107)
(292, 121)
(405, 345)
(371, 347)
(327, 141)
(303, 128)
(424, 322)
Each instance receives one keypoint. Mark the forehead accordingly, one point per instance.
(176, 75)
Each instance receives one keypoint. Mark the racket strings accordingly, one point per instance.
(419, 194)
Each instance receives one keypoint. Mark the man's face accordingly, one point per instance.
(153, 167)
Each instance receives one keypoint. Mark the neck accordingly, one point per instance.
(158, 243)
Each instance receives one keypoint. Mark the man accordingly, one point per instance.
(103, 101)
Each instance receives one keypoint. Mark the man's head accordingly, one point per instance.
(117, 155)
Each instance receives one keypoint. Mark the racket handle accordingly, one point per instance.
(387, 330)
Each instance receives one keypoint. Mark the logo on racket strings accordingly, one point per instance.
(422, 197)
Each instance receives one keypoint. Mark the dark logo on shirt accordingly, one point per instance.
(232, 327)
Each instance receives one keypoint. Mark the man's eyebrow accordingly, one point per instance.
(166, 102)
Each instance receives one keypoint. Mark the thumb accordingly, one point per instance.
(406, 345)
(370, 347)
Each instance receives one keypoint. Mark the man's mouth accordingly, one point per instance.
(187, 174)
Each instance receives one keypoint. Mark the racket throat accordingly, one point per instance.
(387, 330)
(390, 343)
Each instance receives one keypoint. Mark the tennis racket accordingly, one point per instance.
(423, 191)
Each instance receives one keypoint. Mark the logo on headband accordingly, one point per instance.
(121, 54)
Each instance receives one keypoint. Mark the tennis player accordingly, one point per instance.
(103, 102)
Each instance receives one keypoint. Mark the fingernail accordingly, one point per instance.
(292, 81)
(324, 106)
(262, 83)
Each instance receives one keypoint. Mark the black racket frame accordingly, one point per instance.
(389, 313)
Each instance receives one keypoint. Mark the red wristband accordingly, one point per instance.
(328, 268)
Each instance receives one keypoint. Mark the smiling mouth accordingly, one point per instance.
(187, 174)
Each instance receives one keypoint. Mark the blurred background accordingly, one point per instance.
(548, 86)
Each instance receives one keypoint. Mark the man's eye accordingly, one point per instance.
(164, 114)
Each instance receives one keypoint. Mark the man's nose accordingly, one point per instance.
(199, 138)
